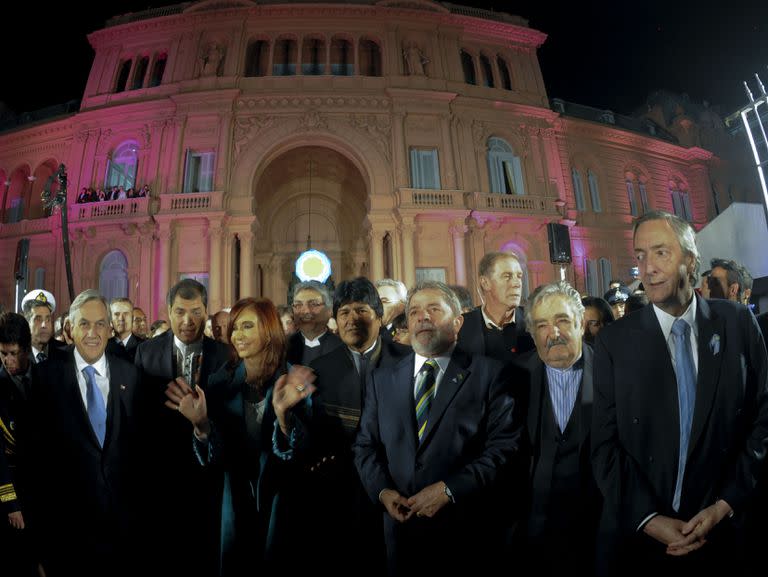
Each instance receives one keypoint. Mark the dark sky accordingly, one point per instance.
(607, 54)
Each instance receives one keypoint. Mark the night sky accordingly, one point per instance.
(607, 54)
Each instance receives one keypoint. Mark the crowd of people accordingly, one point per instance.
(89, 194)
(378, 430)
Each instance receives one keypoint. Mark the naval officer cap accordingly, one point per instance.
(41, 297)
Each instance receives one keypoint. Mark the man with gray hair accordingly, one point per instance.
(392, 294)
(680, 420)
(436, 431)
(312, 307)
(564, 504)
(124, 343)
(83, 438)
(497, 327)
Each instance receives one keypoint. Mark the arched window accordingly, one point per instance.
(369, 58)
(681, 202)
(284, 63)
(342, 57)
(594, 191)
(597, 274)
(14, 205)
(113, 275)
(313, 56)
(257, 62)
(485, 66)
(121, 167)
(141, 71)
(468, 67)
(636, 183)
(504, 168)
(506, 79)
(158, 69)
(122, 76)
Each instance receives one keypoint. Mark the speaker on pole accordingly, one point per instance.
(20, 269)
(559, 243)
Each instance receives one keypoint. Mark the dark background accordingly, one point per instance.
(604, 54)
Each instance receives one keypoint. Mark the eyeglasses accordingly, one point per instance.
(298, 305)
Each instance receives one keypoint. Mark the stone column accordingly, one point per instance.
(457, 230)
(247, 264)
(476, 245)
(376, 239)
(162, 267)
(407, 231)
(214, 267)
(399, 153)
(145, 296)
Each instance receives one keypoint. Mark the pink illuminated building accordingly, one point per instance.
(407, 137)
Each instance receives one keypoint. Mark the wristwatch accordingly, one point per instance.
(448, 493)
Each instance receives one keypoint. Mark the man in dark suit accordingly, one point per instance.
(564, 504)
(38, 307)
(497, 328)
(311, 311)
(83, 448)
(436, 429)
(125, 342)
(680, 423)
(167, 435)
(345, 515)
(18, 557)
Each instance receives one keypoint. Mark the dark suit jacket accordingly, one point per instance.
(585, 505)
(471, 434)
(472, 340)
(127, 352)
(166, 438)
(635, 427)
(84, 494)
(762, 322)
(328, 342)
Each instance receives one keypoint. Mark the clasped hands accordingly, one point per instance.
(683, 537)
(425, 503)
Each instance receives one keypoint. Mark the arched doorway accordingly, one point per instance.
(113, 275)
(314, 192)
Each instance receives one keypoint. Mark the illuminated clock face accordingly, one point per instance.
(313, 265)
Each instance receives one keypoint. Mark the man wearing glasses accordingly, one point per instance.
(311, 311)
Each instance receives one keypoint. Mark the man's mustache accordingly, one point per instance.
(558, 341)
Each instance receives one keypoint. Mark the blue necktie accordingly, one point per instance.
(425, 391)
(97, 411)
(685, 371)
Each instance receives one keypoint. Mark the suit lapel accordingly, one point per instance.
(402, 391)
(536, 368)
(708, 325)
(587, 394)
(455, 376)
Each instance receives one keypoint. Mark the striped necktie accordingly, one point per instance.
(425, 392)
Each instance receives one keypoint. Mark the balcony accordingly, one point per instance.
(109, 210)
(528, 204)
(440, 199)
(29, 227)
(192, 202)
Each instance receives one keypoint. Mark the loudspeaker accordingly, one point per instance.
(559, 243)
(22, 254)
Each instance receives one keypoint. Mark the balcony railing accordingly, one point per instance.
(28, 227)
(484, 201)
(421, 198)
(109, 209)
(192, 202)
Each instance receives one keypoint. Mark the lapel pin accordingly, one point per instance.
(122, 387)
(714, 344)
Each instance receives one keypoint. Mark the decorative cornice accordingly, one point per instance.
(345, 102)
(246, 128)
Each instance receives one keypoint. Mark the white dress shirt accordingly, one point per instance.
(101, 377)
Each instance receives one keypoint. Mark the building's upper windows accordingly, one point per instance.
(122, 75)
(425, 168)
(313, 56)
(597, 275)
(505, 168)
(578, 190)
(369, 58)
(504, 76)
(198, 172)
(257, 59)
(141, 71)
(637, 191)
(468, 67)
(681, 202)
(594, 191)
(121, 167)
(158, 69)
(284, 62)
(487, 70)
(342, 57)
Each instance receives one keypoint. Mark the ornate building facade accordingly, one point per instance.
(405, 137)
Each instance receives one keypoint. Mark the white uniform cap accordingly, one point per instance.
(41, 296)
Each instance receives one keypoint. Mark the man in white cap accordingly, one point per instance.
(37, 307)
